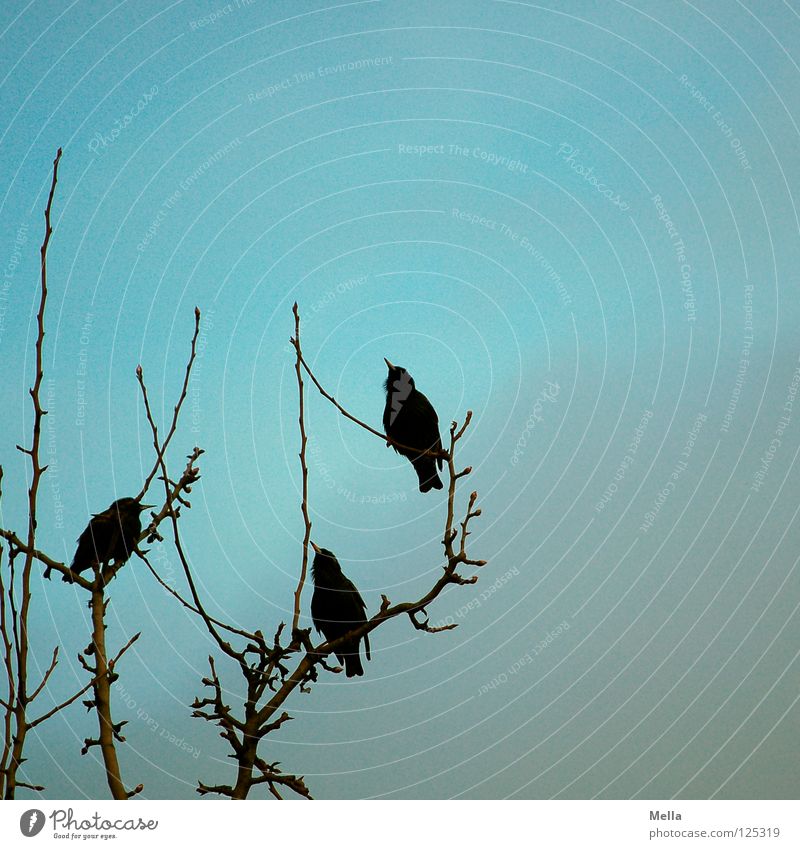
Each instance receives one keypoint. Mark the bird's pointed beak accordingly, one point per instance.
(143, 507)
(388, 363)
(314, 546)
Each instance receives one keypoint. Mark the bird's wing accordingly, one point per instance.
(361, 616)
(84, 554)
(112, 534)
(316, 612)
(427, 422)
(355, 595)
(95, 541)
(388, 423)
(387, 411)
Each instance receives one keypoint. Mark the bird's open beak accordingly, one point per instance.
(314, 546)
(388, 363)
(143, 507)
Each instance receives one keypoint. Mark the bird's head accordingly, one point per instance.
(129, 505)
(398, 380)
(325, 562)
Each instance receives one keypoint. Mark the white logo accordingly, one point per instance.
(401, 389)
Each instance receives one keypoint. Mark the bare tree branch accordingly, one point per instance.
(21, 698)
(8, 666)
(104, 677)
(270, 671)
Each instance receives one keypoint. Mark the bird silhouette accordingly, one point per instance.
(336, 608)
(110, 536)
(409, 419)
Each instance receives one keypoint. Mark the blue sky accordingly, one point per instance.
(577, 220)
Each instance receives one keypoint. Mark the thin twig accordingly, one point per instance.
(47, 674)
(171, 512)
(188, 604)
(304, 470)
(37, 788)
(160, 451)
(111, 664)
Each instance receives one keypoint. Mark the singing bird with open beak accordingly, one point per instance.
(110, 536)
(336, 608)
(409, 419)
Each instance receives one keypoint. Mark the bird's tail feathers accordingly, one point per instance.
(425, 467)
(352, 664)
(433, 482)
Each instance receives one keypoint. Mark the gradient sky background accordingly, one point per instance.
(272, 180)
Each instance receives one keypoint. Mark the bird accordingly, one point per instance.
(410, 420)
(110, 536)
(336, 608)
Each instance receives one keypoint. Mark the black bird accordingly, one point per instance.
(109, 536)
(336, 608)
(409, 418)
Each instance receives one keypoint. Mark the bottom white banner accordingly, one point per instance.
(583, 824)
